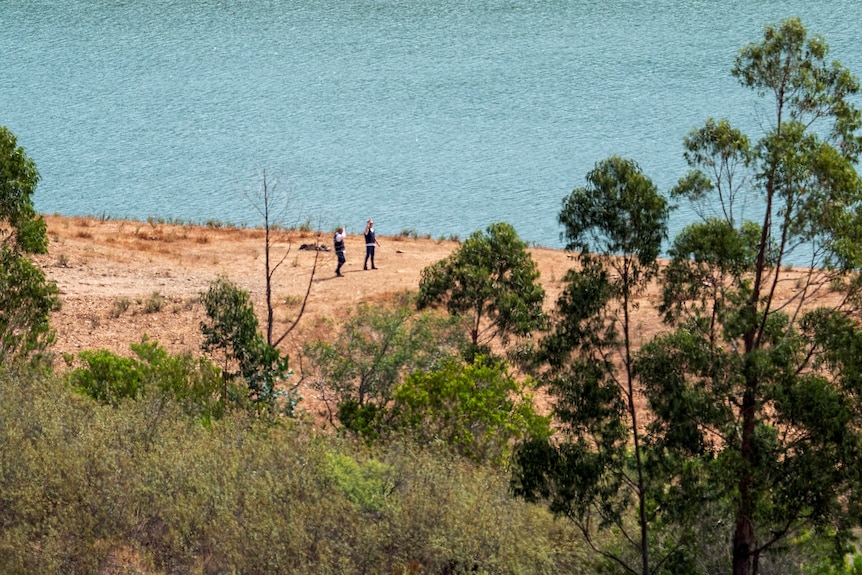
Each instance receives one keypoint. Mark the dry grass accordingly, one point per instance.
(106, 260)
(109, 259)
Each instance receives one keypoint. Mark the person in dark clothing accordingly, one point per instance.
(339, 250)
(370, 243)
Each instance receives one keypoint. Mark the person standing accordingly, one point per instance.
(370, 243)
(339, 250)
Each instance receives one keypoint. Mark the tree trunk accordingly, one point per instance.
(744, 539)
(630, 393)
(743, 544)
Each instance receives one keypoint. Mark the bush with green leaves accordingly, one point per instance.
(22, 229)
(89, 488)
(366, 484)
(27, 299)
(492, 281)
(370, 355)
(231, 331)
(108, 378)
(477, 409)
(193, 383)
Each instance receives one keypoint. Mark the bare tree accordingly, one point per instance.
(273, 206)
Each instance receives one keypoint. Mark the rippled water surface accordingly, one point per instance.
(439, 116)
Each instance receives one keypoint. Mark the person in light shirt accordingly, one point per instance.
(339, 250)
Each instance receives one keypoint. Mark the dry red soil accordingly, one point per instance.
(104, 266)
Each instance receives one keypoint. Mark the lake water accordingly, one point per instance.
(439, 116)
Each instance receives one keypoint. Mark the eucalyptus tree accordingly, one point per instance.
(492, 280)
(600, 468)
(757, 376)
(26, 296)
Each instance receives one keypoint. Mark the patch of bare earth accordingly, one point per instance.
(121, 280)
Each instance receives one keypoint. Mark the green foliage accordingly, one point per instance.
(192, 383)
(231, 324)
(26, 297)
(478, 409)
(704, 257)
(26, 302)
(86, 488)
(375, 348)
(108, 378)
(367, 420)
(851, 565)
(492, 280)
(619, 212)
(21, 229)
(600, 471)
(762, 392)
(748, 404)
(231, 330)
(366, 484)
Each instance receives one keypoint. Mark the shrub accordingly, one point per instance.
(231, 330)
(119, 307)
(154, 303)
(366, 484)
(367, 360)
(477, 409)
(26, 300)
(193, 383)
(108, 378)
(84, 486)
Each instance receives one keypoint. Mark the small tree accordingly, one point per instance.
(492, 280)
(191, 382)
(265, 201)
(232, 331)
(26, 297)
(375, 349)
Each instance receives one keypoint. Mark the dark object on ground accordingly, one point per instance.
(314, 247)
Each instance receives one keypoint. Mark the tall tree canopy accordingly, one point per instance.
(599, 468)
(750, 396)
(756, 376)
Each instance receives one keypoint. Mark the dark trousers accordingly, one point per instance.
(341, 260)
(369, 253)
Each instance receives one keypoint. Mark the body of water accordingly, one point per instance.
(440, 116)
